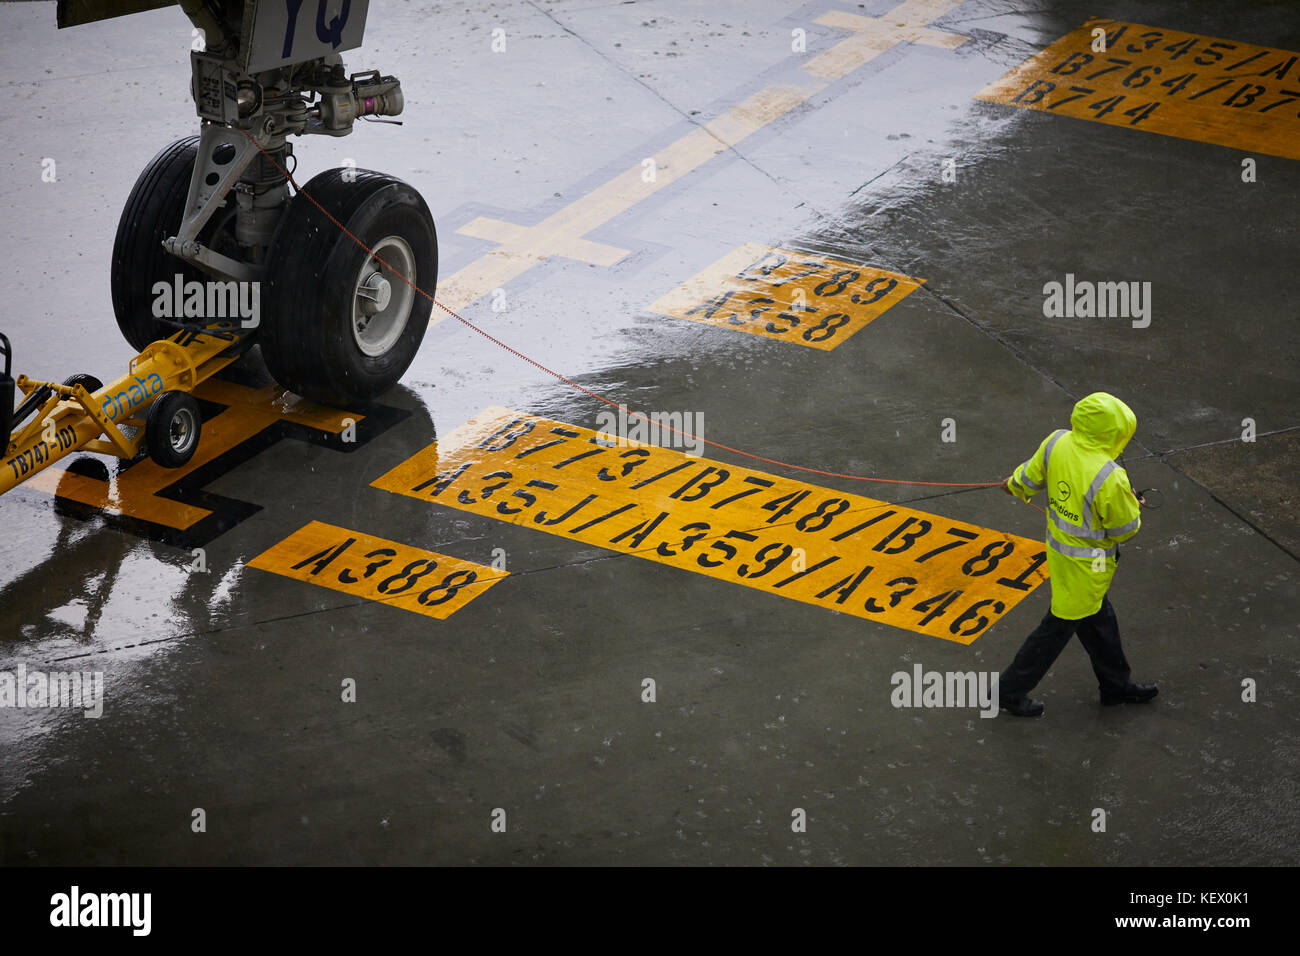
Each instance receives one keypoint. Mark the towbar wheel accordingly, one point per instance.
(171, 431)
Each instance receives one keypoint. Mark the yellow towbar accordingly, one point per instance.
(148, 408)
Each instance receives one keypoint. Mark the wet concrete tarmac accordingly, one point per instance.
(224, 689)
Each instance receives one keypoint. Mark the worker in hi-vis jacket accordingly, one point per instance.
(1091, 509)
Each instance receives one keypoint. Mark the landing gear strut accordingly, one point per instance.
(337, 323)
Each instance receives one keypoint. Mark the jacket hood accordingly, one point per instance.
(1102, 422)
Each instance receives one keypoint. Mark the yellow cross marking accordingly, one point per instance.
(563, 233)
(875, 35)
(519, 238)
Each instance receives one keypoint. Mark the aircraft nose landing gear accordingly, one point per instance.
(213, 214)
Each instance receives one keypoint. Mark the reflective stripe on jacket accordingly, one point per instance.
(1091, 507)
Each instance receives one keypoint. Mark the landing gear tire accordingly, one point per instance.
(172, 428)
(152, 213)
(339, 325)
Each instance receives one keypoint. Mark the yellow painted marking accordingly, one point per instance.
(783, 294)
(569, 246)
(839, 551)
(377, 569)
(135, 492)
(875, 35)
(1165, 81)
(562, 233)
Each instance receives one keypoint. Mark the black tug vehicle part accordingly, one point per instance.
(16, 416)
(6, 394)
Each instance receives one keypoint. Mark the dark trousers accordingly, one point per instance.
(1099, 635)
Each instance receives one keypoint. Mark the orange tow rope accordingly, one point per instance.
(598, 397)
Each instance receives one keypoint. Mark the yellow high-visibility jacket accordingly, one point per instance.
(1091, 507)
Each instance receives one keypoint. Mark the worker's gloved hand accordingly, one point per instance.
(1006, 486)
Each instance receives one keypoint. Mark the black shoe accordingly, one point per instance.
(1132, 694)
(1024, 707)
